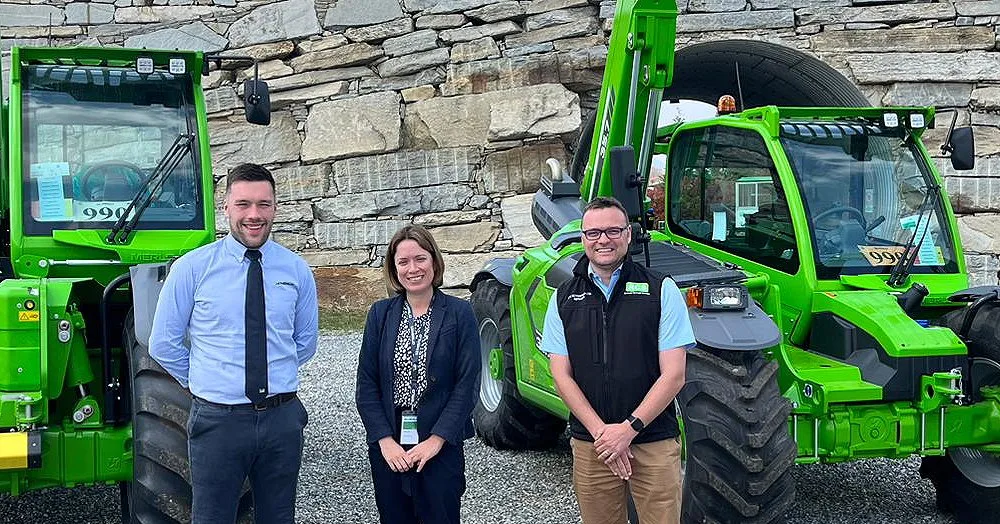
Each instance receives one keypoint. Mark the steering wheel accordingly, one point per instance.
(132, 175)
(841, 209)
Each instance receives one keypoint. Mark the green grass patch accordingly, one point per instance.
(337, 320)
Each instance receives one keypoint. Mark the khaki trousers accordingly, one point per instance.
(655, 484)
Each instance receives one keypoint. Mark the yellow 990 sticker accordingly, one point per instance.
(28, 316)
(889, 255)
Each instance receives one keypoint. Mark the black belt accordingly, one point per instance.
(268, 403)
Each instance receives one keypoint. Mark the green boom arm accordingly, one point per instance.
(640, 66)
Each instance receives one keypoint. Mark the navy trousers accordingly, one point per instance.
(432, 496)
(228, 444)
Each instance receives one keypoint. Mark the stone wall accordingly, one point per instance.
(443, 112)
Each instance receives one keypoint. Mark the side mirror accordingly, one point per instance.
(624, 180)
(962, 146)
(257, 101)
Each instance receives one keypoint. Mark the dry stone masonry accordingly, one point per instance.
(443, 112)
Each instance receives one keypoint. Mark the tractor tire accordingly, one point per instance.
(968, 499)
(503, 420)
(738, 452)
(160, 492)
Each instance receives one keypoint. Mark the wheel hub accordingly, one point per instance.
(491, 369)
(496, 363)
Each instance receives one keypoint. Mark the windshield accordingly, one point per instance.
(865, 190)
(91, 138)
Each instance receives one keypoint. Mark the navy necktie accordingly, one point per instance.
(256, 331)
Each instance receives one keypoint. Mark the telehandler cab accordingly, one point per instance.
(106, 176)
(825, 281)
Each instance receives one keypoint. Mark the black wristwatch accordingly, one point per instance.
(635, 422)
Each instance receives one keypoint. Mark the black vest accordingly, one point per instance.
(614, 346)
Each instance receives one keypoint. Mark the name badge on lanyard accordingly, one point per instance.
(408, 428)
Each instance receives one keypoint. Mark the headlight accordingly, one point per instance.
(718, 297)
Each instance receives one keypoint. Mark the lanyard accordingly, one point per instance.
(414, 357)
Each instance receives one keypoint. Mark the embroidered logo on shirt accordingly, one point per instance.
(636, 288)
(283, 283)
(578, 296)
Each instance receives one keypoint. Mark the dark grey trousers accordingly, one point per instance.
(228, 444)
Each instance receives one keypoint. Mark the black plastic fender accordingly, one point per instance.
(147, 281)
(501, 269)
(748, 330)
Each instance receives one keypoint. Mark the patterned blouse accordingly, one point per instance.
(402, 392)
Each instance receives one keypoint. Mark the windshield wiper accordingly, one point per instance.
(123, 227)
(905, 263)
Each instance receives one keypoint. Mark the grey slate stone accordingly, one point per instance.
(404, 65)
(353, 13)
(317, 77)
(440, 21)
(379, 32)
(272, 22)
(881, 68)
(905, 40)
(406, 169)
(434, 75)
(354, 126)
(927, 94)
(715, 6)
(475, 50)
(348, 55)
(796, 4)
(541, 6)
(444, 7)
(196, 37)
(584, 27)
(406, 201)
(704, 22)
(16, 15)
(560, 16)
(89, 13)
(883, 13)
(496, 12)
(978, 8)
(355, 234)
(410, 43)
(465, 34)
(301, 182)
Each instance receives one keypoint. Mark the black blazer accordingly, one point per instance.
(453, 366)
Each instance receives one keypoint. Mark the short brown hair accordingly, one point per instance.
(425, 240)
(605, 202)
(249, 173)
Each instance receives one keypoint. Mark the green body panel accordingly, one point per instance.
(73, 457)
(51, 378)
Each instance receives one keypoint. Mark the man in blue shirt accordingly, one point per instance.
(234, 322)
(616, 335)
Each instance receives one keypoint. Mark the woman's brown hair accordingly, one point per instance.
(425, 240)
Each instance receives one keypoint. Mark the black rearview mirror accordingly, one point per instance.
(963, 149)
(624, 180)
(257, 101)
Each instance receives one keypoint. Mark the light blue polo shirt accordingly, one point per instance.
(675, 327)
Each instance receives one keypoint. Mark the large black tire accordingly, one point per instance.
(160, 492)
(502, 418)
(956, 493)
(738, 450)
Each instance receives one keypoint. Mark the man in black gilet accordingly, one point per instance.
(616, 335)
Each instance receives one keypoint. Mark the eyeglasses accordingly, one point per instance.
(613, 233)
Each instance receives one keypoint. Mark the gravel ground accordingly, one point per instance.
(503, 487)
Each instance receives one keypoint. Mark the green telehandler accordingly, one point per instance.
(106, 177)
(825, 281)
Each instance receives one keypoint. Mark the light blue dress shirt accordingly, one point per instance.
(674, 331)
(198, 328)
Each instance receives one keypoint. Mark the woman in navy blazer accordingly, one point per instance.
(419, 361)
